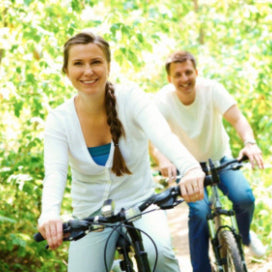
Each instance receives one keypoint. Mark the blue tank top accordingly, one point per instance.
(100, 153)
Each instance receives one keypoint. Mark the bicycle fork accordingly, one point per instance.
(215, 242)
(123, 247)
(214, 224)
(140, 253)
(132, 238)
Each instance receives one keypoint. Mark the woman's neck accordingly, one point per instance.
(89, 105)
(93, 121)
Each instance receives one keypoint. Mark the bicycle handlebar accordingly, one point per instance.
(77, 228)
(165, 200)
(236, 164)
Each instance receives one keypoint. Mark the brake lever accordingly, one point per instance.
(168, 199)
(171, 203)
(236, 166)
(76, 230)
(75, 235)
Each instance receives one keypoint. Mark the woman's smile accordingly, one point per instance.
(88, 69)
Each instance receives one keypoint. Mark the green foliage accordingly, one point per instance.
(230, 39)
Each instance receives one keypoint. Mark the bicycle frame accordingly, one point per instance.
(215, 225)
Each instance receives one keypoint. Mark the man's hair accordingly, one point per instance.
(179, 56)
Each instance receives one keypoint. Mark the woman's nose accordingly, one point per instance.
(88, 70)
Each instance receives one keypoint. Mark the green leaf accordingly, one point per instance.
(18, 105)
(28, 2)
(6, 219)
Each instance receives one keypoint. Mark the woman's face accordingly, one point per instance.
(87, 68)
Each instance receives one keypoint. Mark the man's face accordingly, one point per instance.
(183, 76)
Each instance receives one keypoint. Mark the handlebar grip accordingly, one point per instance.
(244, 158)
(38, 237)
(208, 181)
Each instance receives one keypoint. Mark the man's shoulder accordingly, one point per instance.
(209, 87)
(205, 82)
(166, 90)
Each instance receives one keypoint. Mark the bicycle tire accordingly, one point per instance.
(229, 251)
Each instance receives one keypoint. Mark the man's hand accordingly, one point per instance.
(168, 169)
(254, 154)
(192, 185)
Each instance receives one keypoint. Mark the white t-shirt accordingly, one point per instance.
(199, 125)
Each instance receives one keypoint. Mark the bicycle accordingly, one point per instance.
(225, 238)
(130, 238)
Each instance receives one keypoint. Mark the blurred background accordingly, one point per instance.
(231, 40)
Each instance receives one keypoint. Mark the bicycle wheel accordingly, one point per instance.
(229, 251)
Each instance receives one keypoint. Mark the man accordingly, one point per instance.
(194, 108)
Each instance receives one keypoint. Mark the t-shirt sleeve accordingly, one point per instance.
(221, 98)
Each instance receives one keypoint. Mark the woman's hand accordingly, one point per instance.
(52, 231)
(192, 185)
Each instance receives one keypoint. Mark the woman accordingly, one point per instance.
(103, 133)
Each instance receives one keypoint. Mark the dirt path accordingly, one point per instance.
(178, 226)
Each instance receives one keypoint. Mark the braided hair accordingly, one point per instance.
(119, 166)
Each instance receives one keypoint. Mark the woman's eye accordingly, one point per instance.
(96, 62)
(77, 63)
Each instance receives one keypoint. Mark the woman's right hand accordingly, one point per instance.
(192, 185)
(52, 231)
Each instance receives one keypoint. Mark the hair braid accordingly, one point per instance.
(119, 166)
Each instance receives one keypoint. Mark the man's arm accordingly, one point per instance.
(234, 116)
(166, 167)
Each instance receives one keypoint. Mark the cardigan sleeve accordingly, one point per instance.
(158, 131)
(56, 165)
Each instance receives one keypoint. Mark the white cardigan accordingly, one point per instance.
(92, 184)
